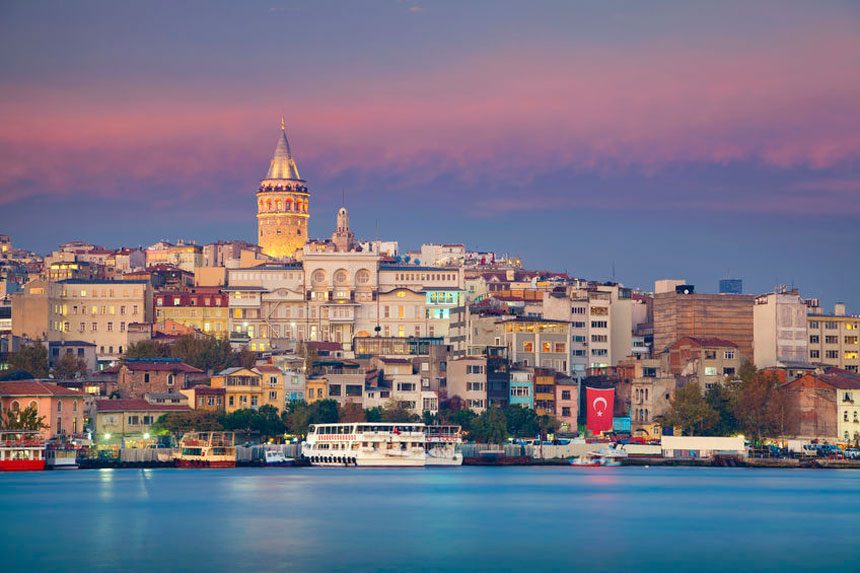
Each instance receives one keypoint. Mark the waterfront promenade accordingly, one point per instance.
(485, 519)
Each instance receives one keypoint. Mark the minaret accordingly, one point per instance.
(282, 204)
(343, 237)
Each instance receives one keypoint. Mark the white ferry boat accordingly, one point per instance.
(442, 445)
(365, 444)
(207, 450)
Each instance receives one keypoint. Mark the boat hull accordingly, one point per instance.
(205, 463)
(369, 462)
(22, 465)
(442, 461)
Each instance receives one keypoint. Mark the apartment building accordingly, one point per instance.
(834, 339)
(467, 378)
(780, 329)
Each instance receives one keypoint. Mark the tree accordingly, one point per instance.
(721, 399)
(32, 358)
(207, 353)
(178, 423)
(69, 367)
(297, 418)
(351, 412)
(148, 349)
(490, 427)
(26, 419)
(690, 411)
(521, 421)
(394, 411)
(11, 375)
(759, 405)
(266, 421)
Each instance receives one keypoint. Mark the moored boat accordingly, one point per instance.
(365, 444)
(207, 450)
(274, 456)
(442, 445)
(21, 451)
(61, 457)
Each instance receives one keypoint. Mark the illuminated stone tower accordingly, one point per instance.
(282, 205)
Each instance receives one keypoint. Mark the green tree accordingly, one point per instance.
(394, 411)
(324, 412)
(26, 419)
(690, 411)
(266, 421)
(69, 367)
(521, 421)
(297, 418)
(148, 349)
(32, 358)
(207, 353)
(490, 427)
(721, 398)
(178, 423)
(373, 414)
(759, 405)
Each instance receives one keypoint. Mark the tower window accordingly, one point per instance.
(298, 231)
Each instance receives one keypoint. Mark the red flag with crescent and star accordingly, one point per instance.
(599, 405)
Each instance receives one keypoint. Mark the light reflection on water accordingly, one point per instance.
(491, 519)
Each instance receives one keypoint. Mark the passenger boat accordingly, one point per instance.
(442, 446)
(207, 450)
(274, 456)
(61, 457)
(365, 444)
(21, 451)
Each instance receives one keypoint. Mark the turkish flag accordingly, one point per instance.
(599, 407)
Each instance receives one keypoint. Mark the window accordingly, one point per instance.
(832, 354)
(850, 340)
(565, 394)
(170, 379)
(133, 420)
(710, 354)
(599, 338)
(565, 411)
(814, 354)
(110, 327)
(813, 324)
(831, 325)
(831, 340)
(559, 347)
(546, 347)
(598, 324)
(729, 371)
(729, 355)
(528, 347)
(814, 339)
(475, 369)
(710, 370)
(146, 377)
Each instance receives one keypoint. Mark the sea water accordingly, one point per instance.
(632, 519)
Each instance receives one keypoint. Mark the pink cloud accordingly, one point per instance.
(494, 117)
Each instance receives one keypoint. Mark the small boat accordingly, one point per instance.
(275, 457)
(207, 450)
(442, 445)
(61, 457)
(604, 457)
(22, 451)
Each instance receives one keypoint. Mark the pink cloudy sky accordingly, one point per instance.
(746, 110)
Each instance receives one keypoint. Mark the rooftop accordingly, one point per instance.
(35, 388)
(137, 406)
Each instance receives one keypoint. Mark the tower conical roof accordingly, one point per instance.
(282, 165)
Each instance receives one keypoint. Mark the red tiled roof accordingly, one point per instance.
(137, 406)
(35, 388)
(268, 368)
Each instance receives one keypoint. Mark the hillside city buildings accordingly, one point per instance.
(359, 322)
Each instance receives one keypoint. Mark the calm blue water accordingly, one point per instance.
(488, 519)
